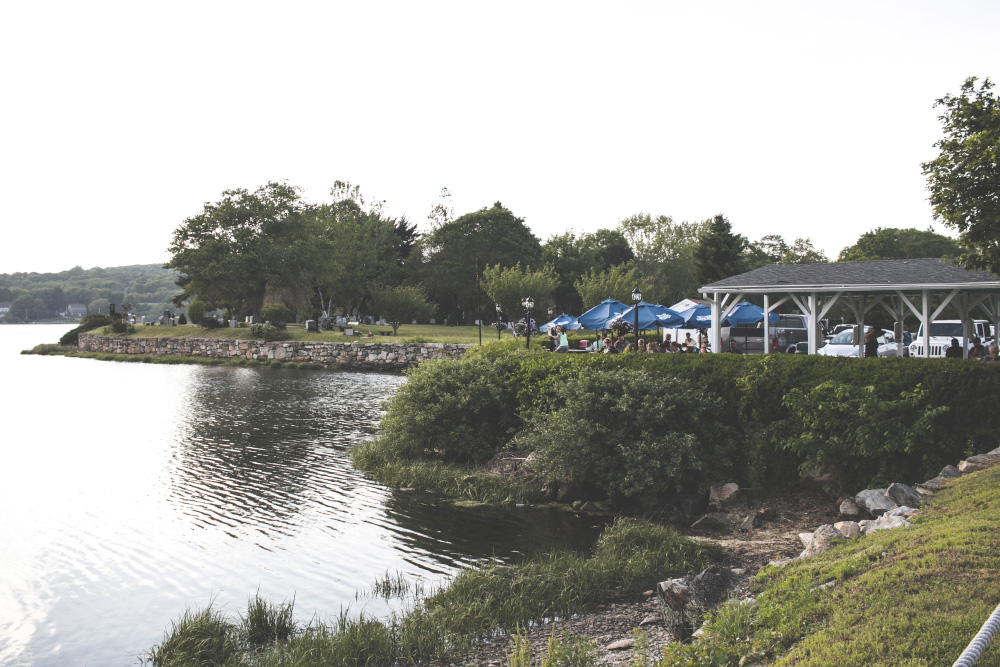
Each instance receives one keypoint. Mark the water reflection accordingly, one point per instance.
(256, 447)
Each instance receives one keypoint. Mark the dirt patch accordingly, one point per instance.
(775, 536)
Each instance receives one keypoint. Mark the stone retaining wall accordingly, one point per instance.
(355, 355)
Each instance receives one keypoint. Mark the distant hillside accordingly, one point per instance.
(40, 296)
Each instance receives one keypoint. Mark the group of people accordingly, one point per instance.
(620, 345)
(977, 351)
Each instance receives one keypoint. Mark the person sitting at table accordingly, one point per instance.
(563, 340)
(609, 347)
(553, 334)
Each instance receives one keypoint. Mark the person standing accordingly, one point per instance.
(871, 343)
(563, 339)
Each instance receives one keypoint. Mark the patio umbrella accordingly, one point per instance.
(747, 313)
(697, 317)
(597, 318)
(651, 315)
(563, 320)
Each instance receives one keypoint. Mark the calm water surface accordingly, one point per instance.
(131, 492)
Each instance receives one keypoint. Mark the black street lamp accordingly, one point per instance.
(528, 304)
(636, 298)
(499, 323)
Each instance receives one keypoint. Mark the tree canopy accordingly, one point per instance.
(891, 243)
(964, 179)
(721, 252)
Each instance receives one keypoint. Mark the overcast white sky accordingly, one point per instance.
(805, 119)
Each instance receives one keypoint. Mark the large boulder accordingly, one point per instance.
(885, 522)
(849, 529)
(874, 501)
(822, 540)
(726, 497)
(901, 494)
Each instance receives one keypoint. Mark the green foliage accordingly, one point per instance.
(964, 178)
(664, 255)
(89, 321)
(465, 413)
(571, 256)
(720, 252)
(891, 243)
(119, 327)
(199, 638)
(196, 310)
(628, 432)
(508, 286)
(267, 623)
(182, 320)
(209, 323)
(277, 314)
(615, 283)
(402, 304)
(864, 438)
(267, 332)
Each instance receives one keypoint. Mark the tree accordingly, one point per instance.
(448, 254)
(772, 249)
(399, 304)
(720, 253)
(235, 249)
(609, 246)
(196, 310)
(964, 179)
(664, 254)
(508, 286)
(615, 283)
(891, 243)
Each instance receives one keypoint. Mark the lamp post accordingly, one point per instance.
(528, 304)
(636, 298)
(499, 323)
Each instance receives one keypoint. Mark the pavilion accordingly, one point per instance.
(921, 287)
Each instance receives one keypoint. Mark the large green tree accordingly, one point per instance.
(720, 252)
(572, 256)
(615, 283)
(401, 304)
(664, 254)
(964, 179)
(508, 286)
(449, 254)
(238, 247)
(891, 243)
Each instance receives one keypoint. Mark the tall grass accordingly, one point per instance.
(477, 604)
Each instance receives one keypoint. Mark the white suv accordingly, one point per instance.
(942, 331)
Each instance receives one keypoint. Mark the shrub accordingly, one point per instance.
(91, 321)
(182, 320)
(268, 332)
(119, 327)
(628, 432)
(196, 310)
(452, 411)
(209, 323)
(277, 314)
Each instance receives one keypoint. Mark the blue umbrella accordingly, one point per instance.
(598, 317)
(696, 317)
(652, 315)
(563, 320)
(747, 313)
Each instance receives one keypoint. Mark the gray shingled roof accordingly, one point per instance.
(855, 276)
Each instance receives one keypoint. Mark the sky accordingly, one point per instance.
(119, 120)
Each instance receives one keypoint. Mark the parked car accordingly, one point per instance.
(789, 330)
(941, 333)
(843, 345)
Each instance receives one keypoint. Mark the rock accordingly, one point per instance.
(849, 529)
(885, 523)
(738, 571)
(901, 494)
(949, 472)
(754, 519)
(864, 523)
(903, 511)
(874, 501)
(932, 485)
(849, 508)
(989, 458)
(649, 620)
(822, 540)
(806, 538)
(726, 497)
(685, 601)
(815, 480)
(713, 521)
(972, 466)
(781, 562)
(620, 645)
(691, 504)
(822, 587)
(647, 594)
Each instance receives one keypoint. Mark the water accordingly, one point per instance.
(131, 492)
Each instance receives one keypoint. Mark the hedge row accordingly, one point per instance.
(760, 419)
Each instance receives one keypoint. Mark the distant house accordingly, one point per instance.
(4, 308)
(76, 310)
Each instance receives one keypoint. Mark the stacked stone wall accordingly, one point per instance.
(356, 355)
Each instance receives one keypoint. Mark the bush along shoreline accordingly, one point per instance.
(662, 428)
